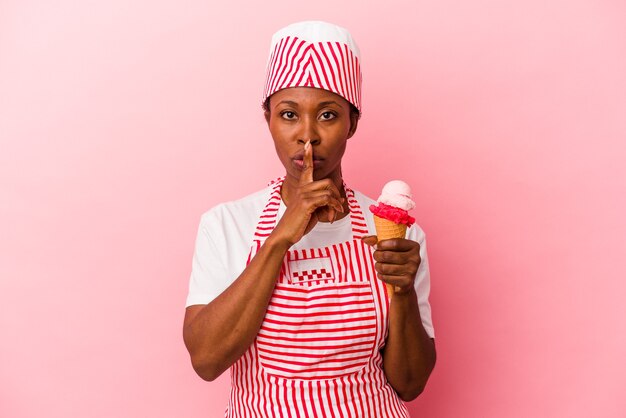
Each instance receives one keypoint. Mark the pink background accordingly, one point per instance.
(120, 122)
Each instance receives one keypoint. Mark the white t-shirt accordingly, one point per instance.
(226, 233)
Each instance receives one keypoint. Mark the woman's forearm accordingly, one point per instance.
(409, 355)
(221, 331)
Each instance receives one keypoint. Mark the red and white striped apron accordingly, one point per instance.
(317, 353)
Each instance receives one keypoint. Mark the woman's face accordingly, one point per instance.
(299, 114)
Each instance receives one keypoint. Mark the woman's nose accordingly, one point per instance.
(308, 131)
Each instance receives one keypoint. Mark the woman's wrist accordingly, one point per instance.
(405, 298)
(277, 244)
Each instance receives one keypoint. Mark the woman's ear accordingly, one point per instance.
(354, 122)
(266, 111)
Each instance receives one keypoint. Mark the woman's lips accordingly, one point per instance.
(299, 163)
(298, 160)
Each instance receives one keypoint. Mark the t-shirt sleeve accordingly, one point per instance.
(422, 280)
(209, 275)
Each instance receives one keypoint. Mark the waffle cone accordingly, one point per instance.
(386, 229)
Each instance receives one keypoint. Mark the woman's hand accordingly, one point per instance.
(308, 201)
(397, 261)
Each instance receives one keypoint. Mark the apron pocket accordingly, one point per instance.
(318, 332)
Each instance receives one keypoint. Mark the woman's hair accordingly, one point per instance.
(266, 107)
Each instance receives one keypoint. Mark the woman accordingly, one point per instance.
(287, 289)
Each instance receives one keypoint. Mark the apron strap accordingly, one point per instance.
(268, 218)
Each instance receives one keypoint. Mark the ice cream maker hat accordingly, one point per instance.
(315, 54)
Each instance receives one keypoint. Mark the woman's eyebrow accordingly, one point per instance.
(288, 102)
(322, 104)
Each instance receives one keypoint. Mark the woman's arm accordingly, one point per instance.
(218, 333)
(409, 354)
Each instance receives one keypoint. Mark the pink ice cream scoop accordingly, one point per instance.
(394, 203)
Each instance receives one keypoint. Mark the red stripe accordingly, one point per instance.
(312, 401)
(365, 253)
(330, 66)
(312, 370)
(320, 355)
(293, 70)
(288, 58)
(267, 393)
(368, 336)
(293, 315)
(322, 305)
(325, 347)
(279, 389)
(340, 276)
(287, 407)
(296, 407)
(377, 399)
(339, 67)
(356, 257)
(249, 361)
(330, 321)
(357, 74)
(367, 401)
(337, 288)
(281, 59)
(328, 396)
(314, 53)
(348, 56)
(335, 296)
(345, 266)
(303, 69)
(278, 61)
(357, 395)
(270, 68)
(304, 401)
(256, 406)
(319, 393)
(344, 71)
(287, 360)
(312, 331)
(345, 400)
(239, 376)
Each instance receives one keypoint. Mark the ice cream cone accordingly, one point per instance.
(391, 216)
(386, 229)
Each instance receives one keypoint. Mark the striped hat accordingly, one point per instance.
(315, 54)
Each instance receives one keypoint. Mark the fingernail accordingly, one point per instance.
(307, 145)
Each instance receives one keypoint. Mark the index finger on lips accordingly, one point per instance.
(307, 169)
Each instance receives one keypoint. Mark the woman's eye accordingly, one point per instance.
(288, 115)
(327, 116)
